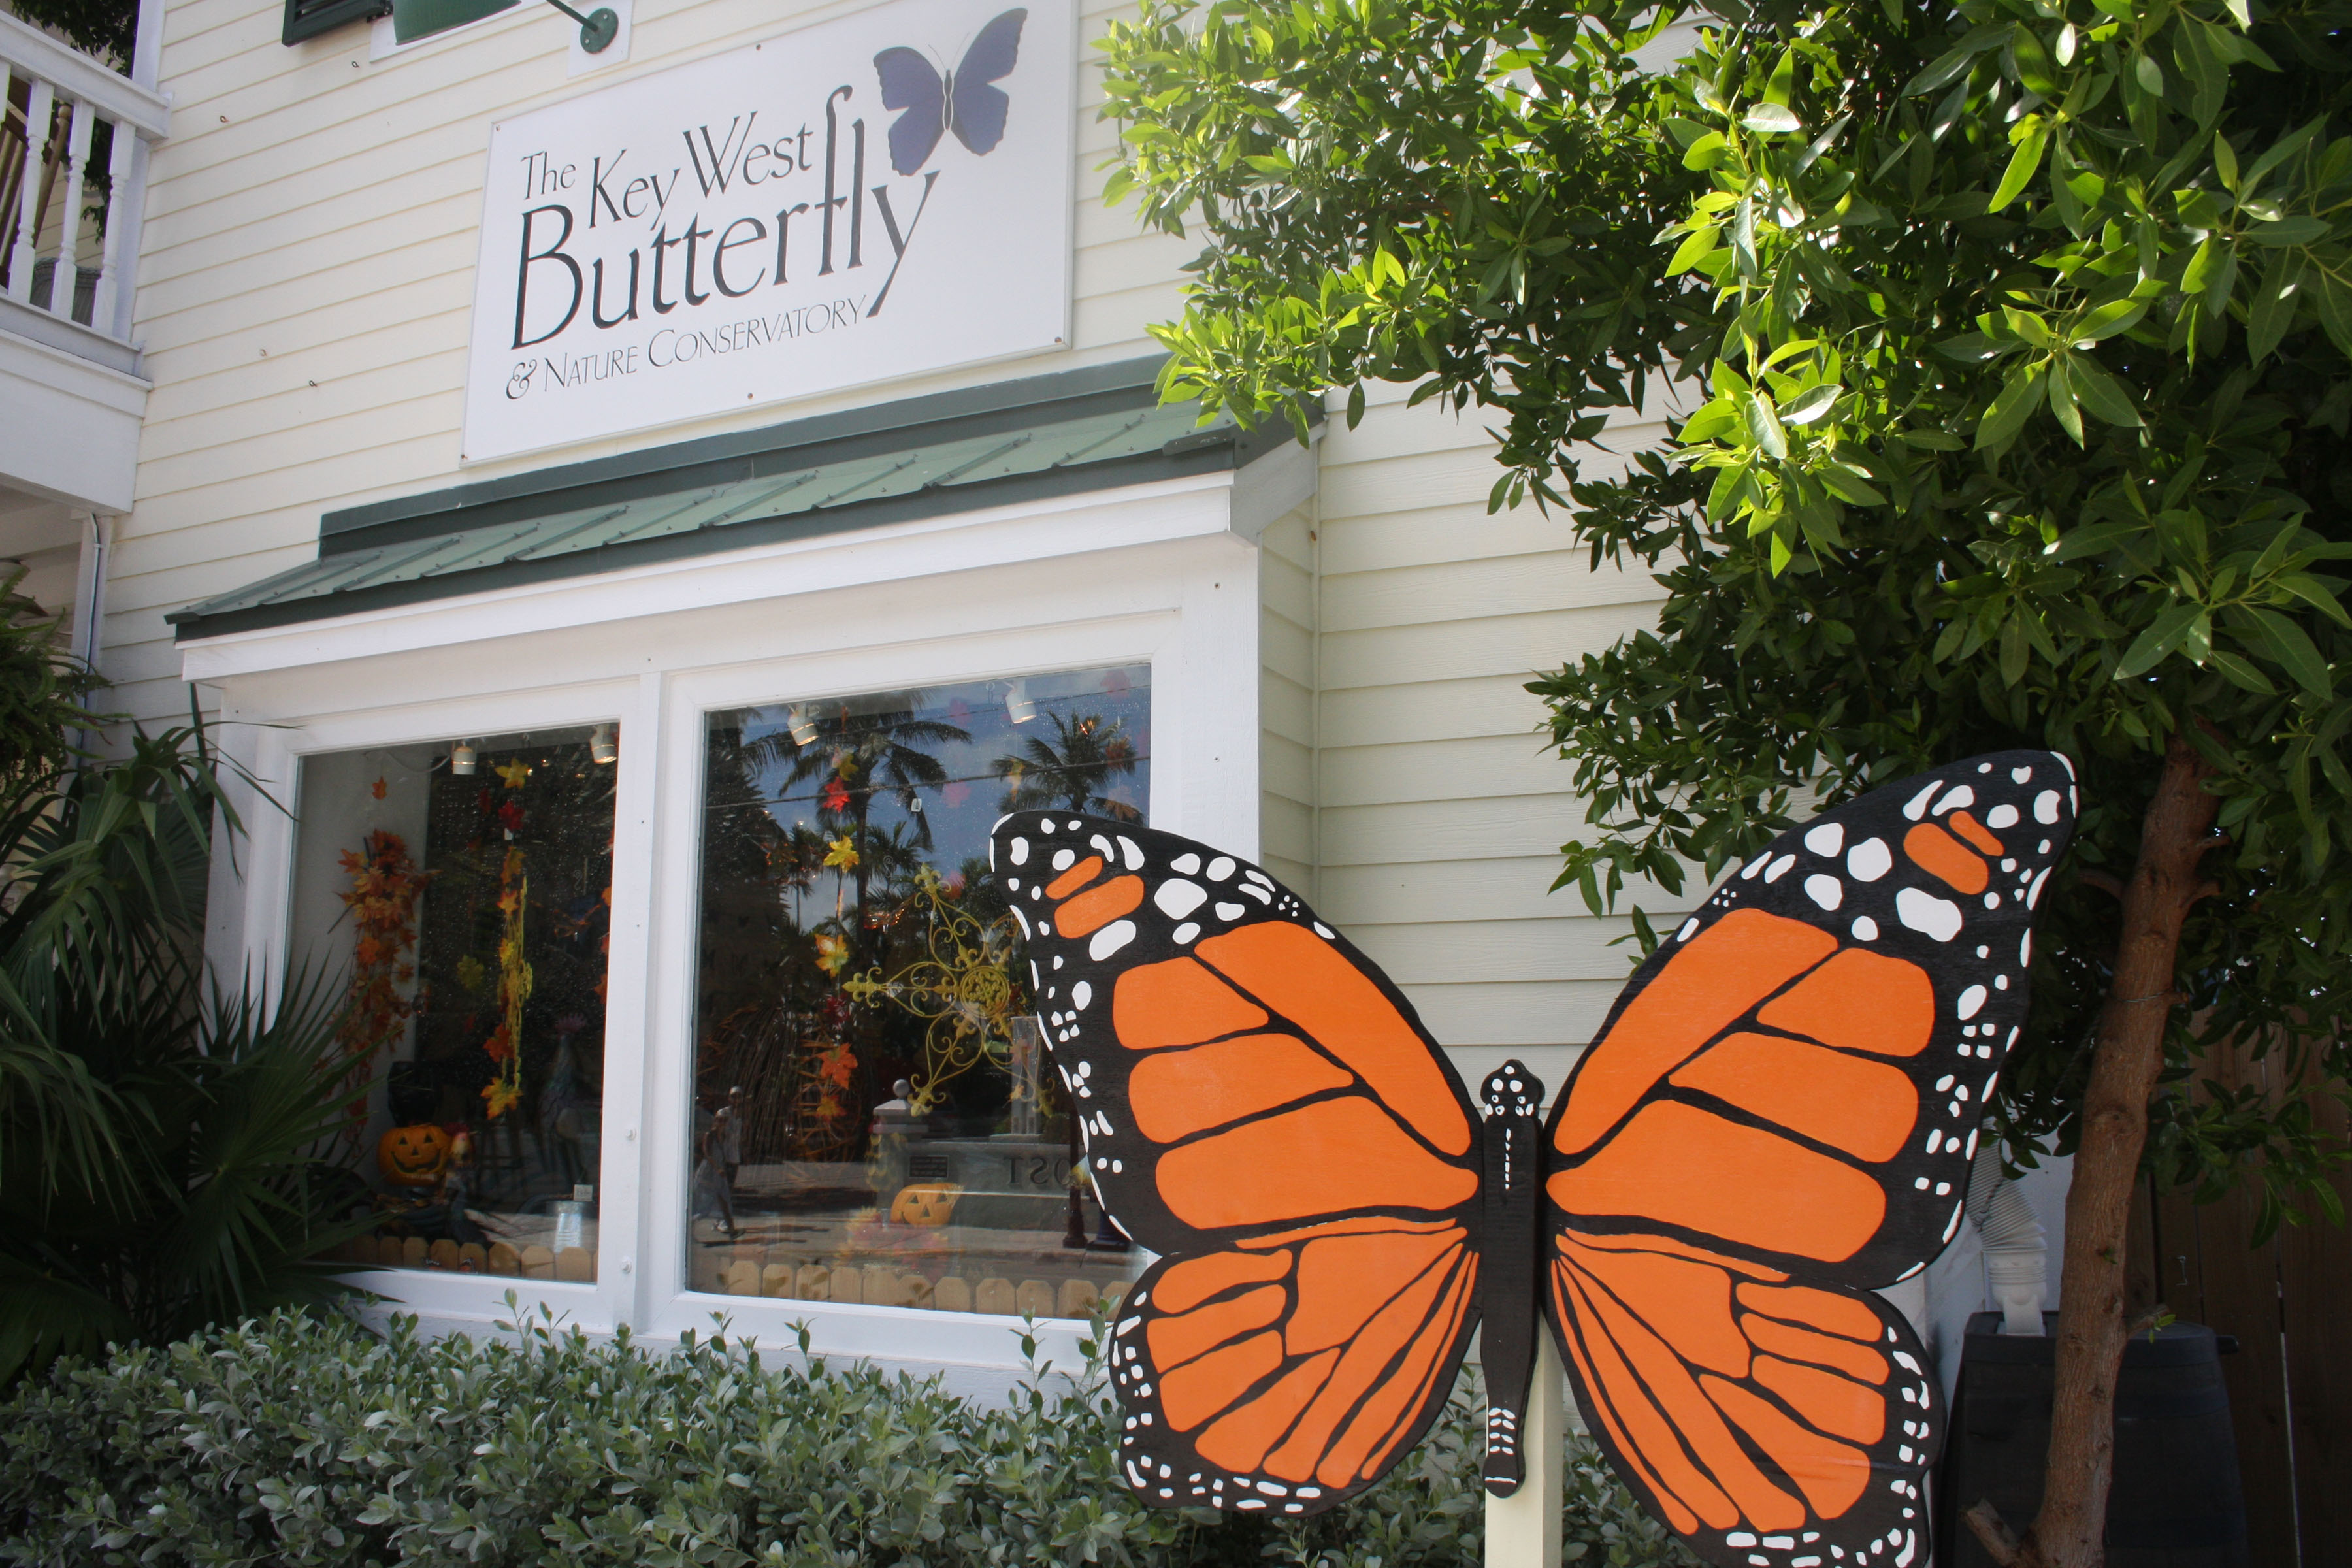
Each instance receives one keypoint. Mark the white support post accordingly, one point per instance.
(1522, 1530)
(110, 255)
(65, 278)
(28, 197)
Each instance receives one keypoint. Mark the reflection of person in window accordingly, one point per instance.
(722, 1157)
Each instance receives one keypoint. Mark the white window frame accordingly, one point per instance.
(1163, 573)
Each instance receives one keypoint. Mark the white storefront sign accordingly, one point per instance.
(877, 198)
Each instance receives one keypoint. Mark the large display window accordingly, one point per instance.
(462, 892)
(874, 1116)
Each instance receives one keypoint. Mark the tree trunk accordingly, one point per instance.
(2127, 1056)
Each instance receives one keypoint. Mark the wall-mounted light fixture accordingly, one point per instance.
(803, 728)
(602, 747)
(462, 758)
(414, 19)
(1017, 705)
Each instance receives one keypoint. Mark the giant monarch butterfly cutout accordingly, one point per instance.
(1778, 1115)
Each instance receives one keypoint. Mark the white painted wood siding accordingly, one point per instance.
(1442, 810)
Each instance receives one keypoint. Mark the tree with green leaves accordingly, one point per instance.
(2013, 336)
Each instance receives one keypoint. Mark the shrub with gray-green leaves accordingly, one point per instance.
(305, 1442)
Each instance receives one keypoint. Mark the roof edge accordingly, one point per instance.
(739, 454)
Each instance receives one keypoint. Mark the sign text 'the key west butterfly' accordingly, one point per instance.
(878, 196)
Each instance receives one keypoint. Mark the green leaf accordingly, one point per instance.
(2101, 393)
(1697, 244)
(1811, 403)
(2023, 164)
(2152, 646)
(2299, 229)
(2007, 416)
(1764, 426)
(2062, 400)
(2114, 316)
(1849, 486)
(1771, 119)
(2032, 64)
(2241, 672)
(2148, 74)
(2313, 592)
(2095, 540)
(2296, 652)
(2273, 308)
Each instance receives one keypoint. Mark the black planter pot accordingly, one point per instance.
(2176, 1501)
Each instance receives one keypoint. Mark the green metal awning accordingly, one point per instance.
(1022, 440)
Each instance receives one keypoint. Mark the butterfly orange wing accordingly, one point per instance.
(1261, 1106)
(1778, 1116)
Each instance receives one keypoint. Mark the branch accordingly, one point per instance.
(2102, 882)
(1985, 1522)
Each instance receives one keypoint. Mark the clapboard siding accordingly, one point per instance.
(1287, 794)
(1442, 807)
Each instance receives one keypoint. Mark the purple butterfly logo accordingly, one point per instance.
(960, 100)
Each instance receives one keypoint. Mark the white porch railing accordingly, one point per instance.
(52, 288)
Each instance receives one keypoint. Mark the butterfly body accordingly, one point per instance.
(1777, 1118)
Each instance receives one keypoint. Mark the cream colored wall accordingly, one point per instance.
(1441, 809)
(304, 296)
(307, 278)
(1286, 700)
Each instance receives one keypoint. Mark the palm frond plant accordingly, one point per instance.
(157, 1142)
(1074, 769)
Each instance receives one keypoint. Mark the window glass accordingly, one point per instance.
(874, 1119)
(463, 893)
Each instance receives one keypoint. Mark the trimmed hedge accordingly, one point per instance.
(297, 1441)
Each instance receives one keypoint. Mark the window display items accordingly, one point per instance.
(874, 1121)
(1733, 1166)
(471, 920)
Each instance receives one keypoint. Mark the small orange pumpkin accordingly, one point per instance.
(926, 1204)
(414, 1156)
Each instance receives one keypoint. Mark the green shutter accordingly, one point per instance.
(309, 18)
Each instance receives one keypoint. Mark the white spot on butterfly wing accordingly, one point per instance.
(2034, 893)
(1232, 912)
(1220, 869)
(1110, 939)
(1020, 855)
(1865, 928)
(1063, 857)
(1869, 860)
(1130, 852)
(1916, 807)
(1964, 795)
(1826, 891)
(1780, 868)
(2045, 807)
(1177, 897)
(1185, 933)
(1927, 914)
(1187, 863)
(1826, 839)
(2002, 816)
(1083, 995)
(1688, 929)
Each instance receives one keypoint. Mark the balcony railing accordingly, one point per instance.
(73, 186)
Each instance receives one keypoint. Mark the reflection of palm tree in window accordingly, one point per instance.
(861, 755)
(1072, 769)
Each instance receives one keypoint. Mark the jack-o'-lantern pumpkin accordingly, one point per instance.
(925, 1203)
(414, 1156)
